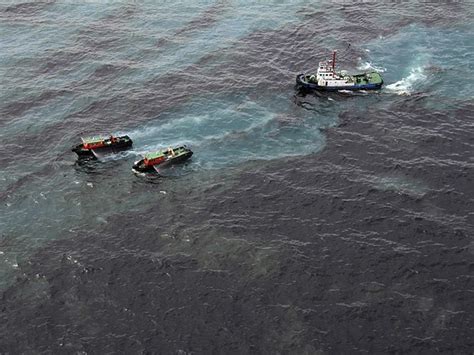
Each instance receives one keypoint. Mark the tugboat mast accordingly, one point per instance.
(333, 60)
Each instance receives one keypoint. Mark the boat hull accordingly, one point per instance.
(122, 143)
(140, 166)
(301, 81)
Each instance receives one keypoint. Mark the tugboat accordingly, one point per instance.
(327, 79)
(152, 161)
(98, 146)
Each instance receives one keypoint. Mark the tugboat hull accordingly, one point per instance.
(302, 81)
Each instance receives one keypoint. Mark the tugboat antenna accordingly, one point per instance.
(333, 60)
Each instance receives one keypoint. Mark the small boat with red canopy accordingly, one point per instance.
(99, 146)
(165, 157)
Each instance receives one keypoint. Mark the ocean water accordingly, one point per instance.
(303, 224)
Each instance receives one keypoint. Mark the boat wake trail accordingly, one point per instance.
(406, 85)
(369, 66)
(231, 133)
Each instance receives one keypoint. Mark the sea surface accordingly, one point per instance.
(304, 223)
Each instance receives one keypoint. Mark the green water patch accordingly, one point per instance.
(400, 184)
(228, 130)
(437, 60)
(115, 51)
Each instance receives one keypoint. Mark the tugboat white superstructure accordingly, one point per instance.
(326, 78)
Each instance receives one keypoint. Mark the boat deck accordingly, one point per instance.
(164, 152)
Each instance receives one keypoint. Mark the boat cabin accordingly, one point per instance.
(154, 158)
(93, 142)
(327, 76)
(98, 142)
(325, 70)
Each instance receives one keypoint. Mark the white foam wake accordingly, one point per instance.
(405, 85)
(369, 66)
